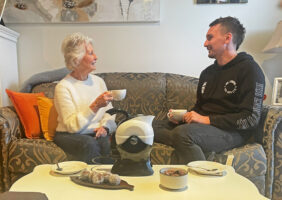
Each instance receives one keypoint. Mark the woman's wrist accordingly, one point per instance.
(94, 108)
(107, 129)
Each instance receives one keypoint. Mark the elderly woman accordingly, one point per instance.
(81, 100)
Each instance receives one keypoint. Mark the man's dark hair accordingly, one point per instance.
(232, 25)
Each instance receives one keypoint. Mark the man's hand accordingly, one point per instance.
(192, 116)
(100, 132)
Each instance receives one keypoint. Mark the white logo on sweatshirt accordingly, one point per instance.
(230, 87)
(203, 87)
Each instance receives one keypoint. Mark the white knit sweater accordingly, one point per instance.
(72, 100)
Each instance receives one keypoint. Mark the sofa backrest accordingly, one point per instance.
(180, 91)
(147, 93)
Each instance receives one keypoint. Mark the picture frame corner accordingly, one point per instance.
(277, 92)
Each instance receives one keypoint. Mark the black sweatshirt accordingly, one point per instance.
(232, 95)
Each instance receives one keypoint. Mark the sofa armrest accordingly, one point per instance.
(271, 141)
(9, 125)
(9, 130)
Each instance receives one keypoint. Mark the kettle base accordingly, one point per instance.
(127, 167)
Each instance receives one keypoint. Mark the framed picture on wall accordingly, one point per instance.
(220, 1)
(2, 6)
(81, 11)
(277, 92)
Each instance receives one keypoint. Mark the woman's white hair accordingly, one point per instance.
(74, 49)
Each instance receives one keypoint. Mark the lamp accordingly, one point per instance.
(275, 44)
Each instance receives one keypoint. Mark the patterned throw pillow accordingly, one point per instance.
(27, 110)
(48, 117)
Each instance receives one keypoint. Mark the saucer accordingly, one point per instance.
(69, 167)
(207, 168)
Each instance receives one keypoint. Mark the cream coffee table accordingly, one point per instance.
(232, 186)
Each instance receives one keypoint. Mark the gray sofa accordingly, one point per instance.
(148, 93)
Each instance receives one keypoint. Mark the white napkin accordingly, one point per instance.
(207, 168)
(216, 172)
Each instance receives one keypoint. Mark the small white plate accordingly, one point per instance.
(207, 167)
(69, 167)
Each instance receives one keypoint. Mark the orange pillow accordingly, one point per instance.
(26, 107)
(48, 117)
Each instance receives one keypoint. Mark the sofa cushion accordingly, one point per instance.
(249, 160)
(259, 181)
(47, 88)
(161, 154)
(25, 154)
(48, 117)
(181, 91)
(27, 110)
(146, 92)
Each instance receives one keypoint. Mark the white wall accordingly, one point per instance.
(173, 45)
(9, 77)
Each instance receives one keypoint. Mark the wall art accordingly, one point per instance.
(220, 1)
(81, 11)
(2, 6)
(277, 92)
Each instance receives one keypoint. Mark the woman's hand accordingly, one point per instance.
(101, 101)
(100, 132)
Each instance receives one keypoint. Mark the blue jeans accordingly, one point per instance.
(83, 147)
(192, 141)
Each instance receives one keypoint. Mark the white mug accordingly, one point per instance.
(118, 95)
(176, 114)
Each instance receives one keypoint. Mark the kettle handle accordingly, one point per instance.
(113, 111)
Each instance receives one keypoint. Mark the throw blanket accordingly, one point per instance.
(44, 77)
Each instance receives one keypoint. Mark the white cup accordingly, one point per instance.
(118, 95)
(176, 114)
